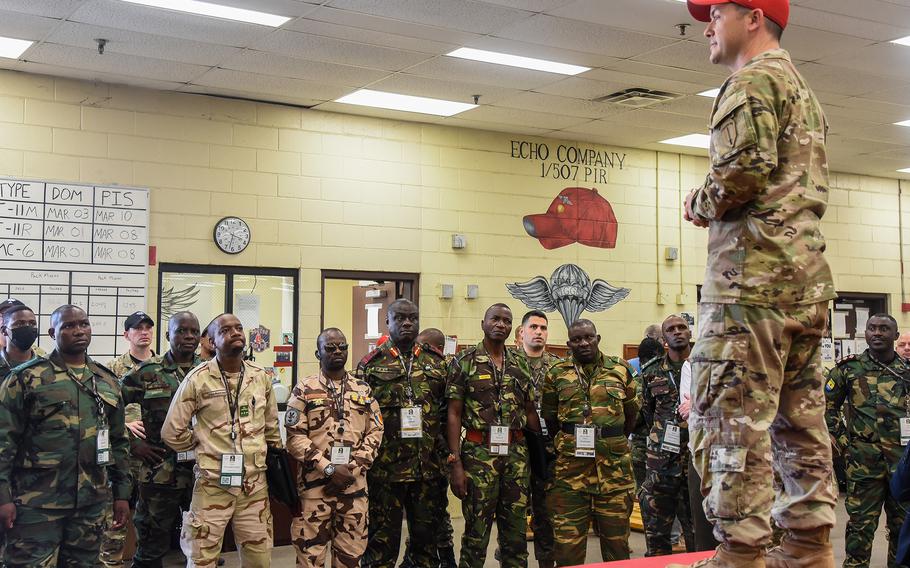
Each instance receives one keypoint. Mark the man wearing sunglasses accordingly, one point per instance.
(408, 382)
(334, 428)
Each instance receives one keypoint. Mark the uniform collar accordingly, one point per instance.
(778, 53)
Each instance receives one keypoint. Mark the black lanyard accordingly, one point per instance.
(499, 377)
(585, 390)
(338, 399)
(409, 388)
(233, 402)
(92, 392)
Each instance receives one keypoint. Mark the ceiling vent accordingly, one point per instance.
(637, 97)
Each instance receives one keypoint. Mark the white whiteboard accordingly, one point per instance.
(72, 243)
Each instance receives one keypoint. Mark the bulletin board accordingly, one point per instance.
(73, 243)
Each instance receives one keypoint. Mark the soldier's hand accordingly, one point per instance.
(685, 406)
(151, 455)
(7, 516)
(121, 513)
(340, 480)
(137, 428)
(690, 215)
(836, 450)
(459, 481)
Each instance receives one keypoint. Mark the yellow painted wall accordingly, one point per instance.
(339, 306)
(333, 191)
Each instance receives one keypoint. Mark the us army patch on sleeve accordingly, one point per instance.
(291, 417)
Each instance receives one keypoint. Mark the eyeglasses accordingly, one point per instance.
(331, 348)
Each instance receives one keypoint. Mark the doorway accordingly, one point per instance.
(356, 301)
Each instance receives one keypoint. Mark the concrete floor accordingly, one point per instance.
(283, 557)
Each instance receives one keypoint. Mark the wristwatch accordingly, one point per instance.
(329, 470)
(452, 459)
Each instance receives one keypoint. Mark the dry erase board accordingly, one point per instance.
(79, 244)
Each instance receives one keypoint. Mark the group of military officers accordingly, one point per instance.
(383, 444)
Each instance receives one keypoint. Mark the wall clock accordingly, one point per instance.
(232, 235)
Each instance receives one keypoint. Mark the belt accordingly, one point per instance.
(483, 436)
(602, 432)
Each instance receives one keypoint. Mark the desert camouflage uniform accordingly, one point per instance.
(599, 488)
(313, 428)
(202, 395)
(756, 369)
(497, 484)
(873, 397)
(664, 495)
(61, 495)
(166, 488)
(405, 478)
(541, 524)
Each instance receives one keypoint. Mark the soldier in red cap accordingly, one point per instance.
(757, 385)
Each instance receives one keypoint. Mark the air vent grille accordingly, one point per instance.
(637, 97)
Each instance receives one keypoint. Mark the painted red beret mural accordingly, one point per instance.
(577, 215)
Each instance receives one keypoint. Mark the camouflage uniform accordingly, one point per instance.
(61, 495)
(202, 395)
(664, 495)
(638, 445)
(114, 540)
(756, 369)
(313, 428)
(405, 479)
(599, 488)
(877, 397)
(167, 487)
(497, 484)
(541, 524)
(5, 367)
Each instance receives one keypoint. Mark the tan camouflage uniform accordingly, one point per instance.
(61, 495)
(873, 397)
(202, 395)
(313, 428)
(598, 489)
(757, 385)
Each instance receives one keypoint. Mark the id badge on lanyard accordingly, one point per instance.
(187, 456)
(905, 431)
(232, 470)
(411, 422)
(585, 437)
(499, 440)
(671, 441)
(543, 423)
(103, 446)
(340, 454)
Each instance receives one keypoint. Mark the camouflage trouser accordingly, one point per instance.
(541, 523)
(113, 540)
(341, 521)
(758, 389)
(156, 514)
(443, 532)
(211, 509)
(46, 538)
(639, 446)
(418, 502)
(497, 487)
(662, 499)
(868, 478)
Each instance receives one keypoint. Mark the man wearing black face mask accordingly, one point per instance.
(19, 328)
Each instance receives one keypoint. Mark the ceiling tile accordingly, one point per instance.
(356, 21)
(25, 26)
(526, 49)
(582, 88)
(531, 5)
(408, 42)
(684, 55)
(808, 44)
(655, 17)
(846, 82)
(582, 36)
(331, 50)
(254, 95)
(82, 74)
(465, 15)
(270, 85)
(47, 8)
(145, 45)
(463, 122)
(478, 72)
(821, 19)
(652, 70)
(441, 89)
(565, 105)
(520, 117)
(885, 59)
(114, 63)
(313, 71)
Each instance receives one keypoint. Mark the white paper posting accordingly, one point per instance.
(862, 316)
(839, 324)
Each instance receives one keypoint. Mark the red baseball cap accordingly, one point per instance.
(577, 215)
(778, 11)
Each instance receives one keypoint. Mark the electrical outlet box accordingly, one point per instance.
(447, 291)
(472, 292)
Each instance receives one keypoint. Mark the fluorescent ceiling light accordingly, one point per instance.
(407, 103)
(216, 11)
(517, 61)
(902, 123)
(902, 40)
(693, 140)
(712, 93)
(904, 170)
(13, 48)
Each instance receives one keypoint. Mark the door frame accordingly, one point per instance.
(412, 277)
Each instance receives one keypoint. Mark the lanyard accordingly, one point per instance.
(338, 399)
(93, 392)
(498, 380)
(409, 388)
(585, 390)
(233, 402)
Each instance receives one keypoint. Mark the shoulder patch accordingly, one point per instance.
(291, 417)
(469, 351)
(829, 386)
